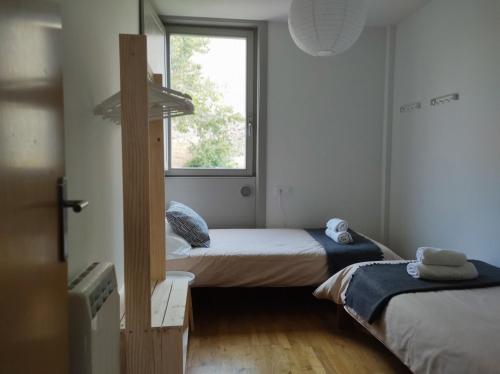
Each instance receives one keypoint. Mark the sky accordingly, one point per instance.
(225, 64)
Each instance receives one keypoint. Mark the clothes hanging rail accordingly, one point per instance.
(162, 103)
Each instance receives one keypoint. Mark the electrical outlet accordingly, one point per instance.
(281, 189)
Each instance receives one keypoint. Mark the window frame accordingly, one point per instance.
(251, 99)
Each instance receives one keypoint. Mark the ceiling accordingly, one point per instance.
(381, 13)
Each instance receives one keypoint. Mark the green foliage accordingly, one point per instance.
(210, 126)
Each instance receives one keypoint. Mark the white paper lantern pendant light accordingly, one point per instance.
(326, 27)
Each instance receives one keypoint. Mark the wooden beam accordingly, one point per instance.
(157, 197)
(136, 202)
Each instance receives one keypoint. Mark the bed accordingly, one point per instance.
(259, 257)
(452, 331)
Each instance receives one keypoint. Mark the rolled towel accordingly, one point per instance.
(437, 256)
(342, 237)
(337, 224)
(442, 273)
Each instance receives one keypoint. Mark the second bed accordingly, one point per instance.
(446, 332)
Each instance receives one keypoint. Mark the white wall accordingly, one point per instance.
(217, 199)
(445, 188)
(325, 120)
(156, 40)
(93, 146)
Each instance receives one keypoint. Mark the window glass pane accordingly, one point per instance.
(213, 71)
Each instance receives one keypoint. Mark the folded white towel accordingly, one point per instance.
(438, 256)
(337, 224)
(342, 237)
(442, 273)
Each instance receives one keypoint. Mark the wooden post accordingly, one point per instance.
(136, 202)
(157, 197)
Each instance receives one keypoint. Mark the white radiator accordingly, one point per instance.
(94, 321)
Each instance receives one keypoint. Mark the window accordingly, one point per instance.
(216, 67)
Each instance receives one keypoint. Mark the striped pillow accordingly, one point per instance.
(188, 224)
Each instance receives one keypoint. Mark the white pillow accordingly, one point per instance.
(177, 246)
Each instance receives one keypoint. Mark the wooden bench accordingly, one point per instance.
(171, 319)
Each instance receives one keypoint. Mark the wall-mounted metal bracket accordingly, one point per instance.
(410, 107)
(445, 99)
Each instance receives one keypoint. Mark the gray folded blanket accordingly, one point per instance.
(373, 286)
(339, 256)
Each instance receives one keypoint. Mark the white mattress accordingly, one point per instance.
(258, 257)
(446, 332)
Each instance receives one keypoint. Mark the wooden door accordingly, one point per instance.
(33, 279)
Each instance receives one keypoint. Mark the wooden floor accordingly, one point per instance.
(278, 331)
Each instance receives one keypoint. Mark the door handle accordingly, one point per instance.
(76, 205)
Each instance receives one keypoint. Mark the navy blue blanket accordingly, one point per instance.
(341, 255)
(372, 286)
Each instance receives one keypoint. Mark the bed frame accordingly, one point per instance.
(156, 309)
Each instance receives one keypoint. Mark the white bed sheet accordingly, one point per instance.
(258, 257)
(446, 332)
